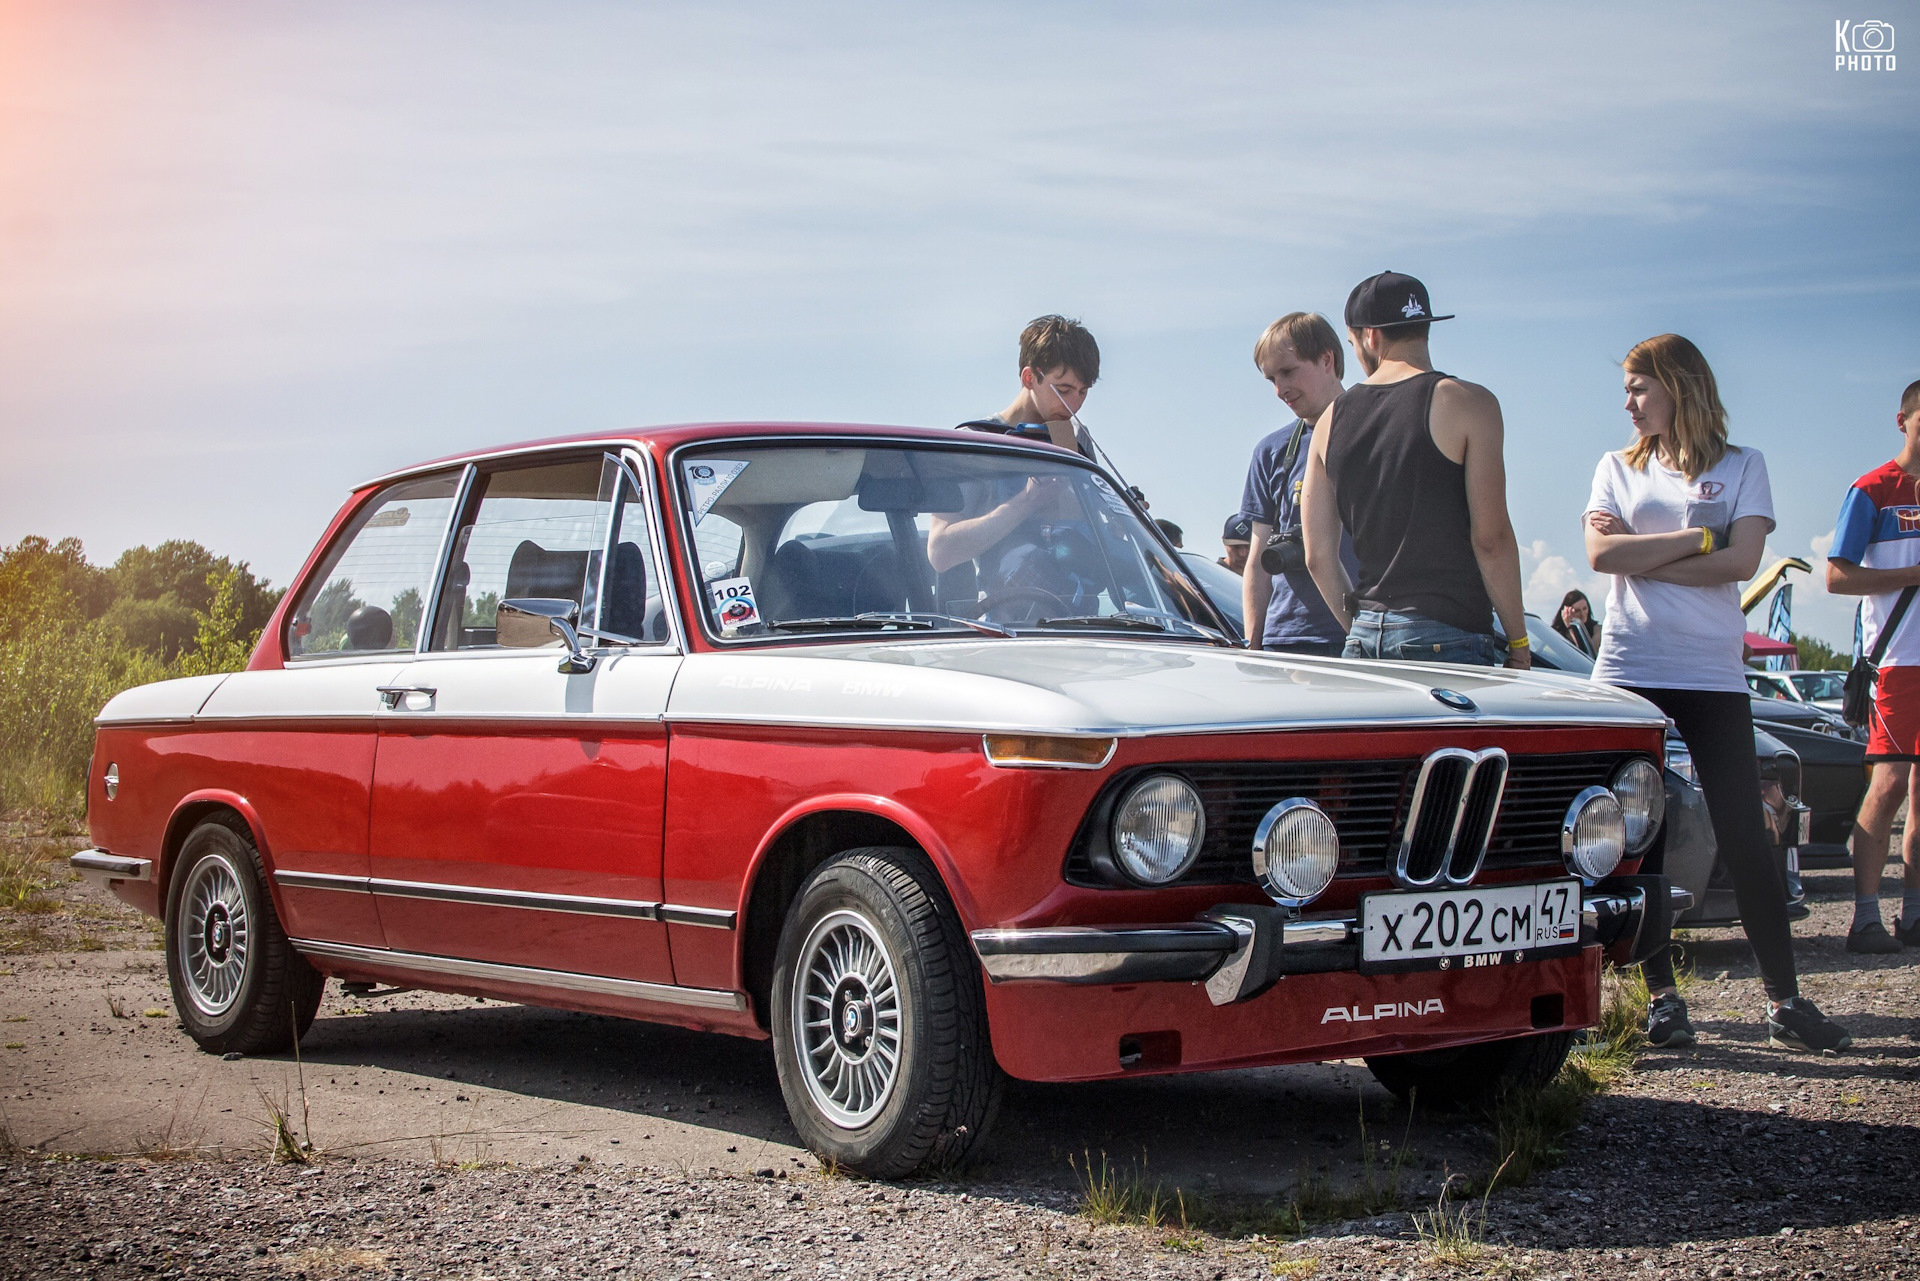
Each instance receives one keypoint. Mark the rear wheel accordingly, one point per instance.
(879, 1020)
(237, 983)
(1471, 1074)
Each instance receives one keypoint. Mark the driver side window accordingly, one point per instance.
(528, 531)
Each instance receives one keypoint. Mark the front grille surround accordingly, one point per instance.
(1455, 805)
(1367, 801)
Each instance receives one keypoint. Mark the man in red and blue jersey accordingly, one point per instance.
(1876, 554)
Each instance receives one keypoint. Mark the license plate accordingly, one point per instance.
(1469, 929)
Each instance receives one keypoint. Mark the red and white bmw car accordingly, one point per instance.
(684, 725)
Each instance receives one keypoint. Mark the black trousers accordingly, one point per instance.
(1718, 730)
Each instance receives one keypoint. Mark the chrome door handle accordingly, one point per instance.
(394, 695)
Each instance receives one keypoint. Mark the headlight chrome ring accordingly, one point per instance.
(1642, 794)
(1593, 836)
(1157, 829)
(1296, 851)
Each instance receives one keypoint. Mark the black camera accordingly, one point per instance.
(1285, 553)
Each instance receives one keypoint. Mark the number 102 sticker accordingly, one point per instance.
(733, 604)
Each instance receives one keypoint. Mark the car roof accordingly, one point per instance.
(660, 439)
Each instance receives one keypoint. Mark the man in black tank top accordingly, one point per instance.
(1410, 462)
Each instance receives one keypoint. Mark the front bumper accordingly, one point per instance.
(1240, 950)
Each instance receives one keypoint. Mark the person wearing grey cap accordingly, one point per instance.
(1411, 463)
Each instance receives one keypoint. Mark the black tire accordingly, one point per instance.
(944, 1085)
(1471, 1075)
(238, 985)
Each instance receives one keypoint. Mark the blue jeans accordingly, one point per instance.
(1415, 638)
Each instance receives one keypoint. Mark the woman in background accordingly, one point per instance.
(1575, 622)
(1679, 518)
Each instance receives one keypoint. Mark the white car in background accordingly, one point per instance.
(1824, 690)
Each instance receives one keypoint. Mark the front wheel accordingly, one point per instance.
(1466, 1075)
(237, 983)
(879, 1020)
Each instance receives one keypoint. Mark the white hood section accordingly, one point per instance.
(1119, 687)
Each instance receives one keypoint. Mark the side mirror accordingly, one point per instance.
(532, 622)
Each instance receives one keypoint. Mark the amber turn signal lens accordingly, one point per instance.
(1043, 750)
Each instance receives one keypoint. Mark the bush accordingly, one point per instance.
(65, 651)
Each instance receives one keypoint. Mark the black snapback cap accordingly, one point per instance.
(1239, 529)
(1388, 300)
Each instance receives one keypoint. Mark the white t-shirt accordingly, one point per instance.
(1663, 635)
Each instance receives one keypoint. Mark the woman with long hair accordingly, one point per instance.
(1575, 622)
(1679, 518)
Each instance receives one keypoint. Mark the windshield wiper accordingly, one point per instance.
(1139, 623)
(1132, 622)
(877, 621)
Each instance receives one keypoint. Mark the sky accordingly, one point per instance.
(251, 255)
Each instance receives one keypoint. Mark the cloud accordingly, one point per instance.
(1549, 576)
(1822, 543)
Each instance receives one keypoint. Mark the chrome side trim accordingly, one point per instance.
(1164, 731)
(100, 867)
(477, 896)
(712, 918)
(481, 896)
(321, 881)
(564, 980)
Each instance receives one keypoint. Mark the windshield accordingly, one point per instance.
(1814, 686)
(799, 539)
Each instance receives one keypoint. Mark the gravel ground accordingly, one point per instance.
(1729, 1159)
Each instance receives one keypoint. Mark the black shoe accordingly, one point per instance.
(1873, 939)
(1667, 1026)
(1909, 935)
(1799, 1025)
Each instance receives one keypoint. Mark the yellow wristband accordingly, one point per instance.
(1519, 642)
(1706, 541)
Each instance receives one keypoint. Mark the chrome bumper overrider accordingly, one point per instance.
(1240, 950)
(103, 868)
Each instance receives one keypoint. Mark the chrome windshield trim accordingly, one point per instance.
(100, 865)
(565, 980)
(638, 465)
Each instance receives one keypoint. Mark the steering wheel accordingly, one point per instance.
(1024, 605)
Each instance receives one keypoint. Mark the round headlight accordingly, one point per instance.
(1157, 829)
(1643, 801)
(1593, 838)
(1295, 852)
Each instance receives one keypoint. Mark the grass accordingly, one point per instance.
(1114, 1194)
(23, 874)
(1456, 1236)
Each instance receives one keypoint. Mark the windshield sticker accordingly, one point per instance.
(1114, 500)
(707, 479)
(733, 603)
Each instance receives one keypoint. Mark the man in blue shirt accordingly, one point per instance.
(1300, 355)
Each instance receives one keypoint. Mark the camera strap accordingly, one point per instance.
(1301, 428)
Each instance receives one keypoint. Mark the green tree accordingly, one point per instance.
(184, 571)
(43, 582)
(222, 641)
(406, 613)
(1815, 655)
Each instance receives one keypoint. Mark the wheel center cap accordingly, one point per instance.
(219, 933)
(853, 1017)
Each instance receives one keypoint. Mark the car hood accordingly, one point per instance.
(1117, 687)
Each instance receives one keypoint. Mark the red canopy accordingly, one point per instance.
(1766, 647)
